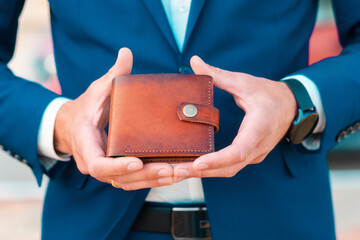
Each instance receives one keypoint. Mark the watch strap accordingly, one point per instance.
(301, 94)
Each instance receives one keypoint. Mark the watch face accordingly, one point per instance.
(304, 128)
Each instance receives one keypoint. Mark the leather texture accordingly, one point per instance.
(147, 118)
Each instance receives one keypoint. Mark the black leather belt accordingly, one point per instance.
(184, 223)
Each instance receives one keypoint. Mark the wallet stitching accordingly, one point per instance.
(170, 159)
(210, 142)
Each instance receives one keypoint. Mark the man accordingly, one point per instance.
(256, 186)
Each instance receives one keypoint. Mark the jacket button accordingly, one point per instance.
(357, 126)
(342, 135)
(1, 147)
(184, 69)
(16, 156)
(24, 161)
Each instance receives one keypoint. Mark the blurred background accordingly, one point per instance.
(20, 197)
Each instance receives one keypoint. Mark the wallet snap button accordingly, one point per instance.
(190, 110)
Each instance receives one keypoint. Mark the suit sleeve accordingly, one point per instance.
(338, 78)
(22, 103)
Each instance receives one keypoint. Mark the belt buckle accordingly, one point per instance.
(190, 223)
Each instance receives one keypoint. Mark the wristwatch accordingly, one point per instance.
(306, 118)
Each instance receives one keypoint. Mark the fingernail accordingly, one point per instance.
(201, 166)
(134, 166)
(182, 173)
(165, 181)
(163, 173)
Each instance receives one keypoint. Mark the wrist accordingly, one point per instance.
(62, 143)
(306, 117)
(291, 103)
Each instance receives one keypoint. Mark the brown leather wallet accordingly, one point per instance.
(162, 117)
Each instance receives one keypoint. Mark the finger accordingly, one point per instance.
(182, 171)
(186, 170)
(225, 157)
(91, 147)
(150, 171)
(259, 158)
(226, 80)
(226, 172)
(249, 137)
(88, 148)
(122, 66)
(144, 184)
(105, 167)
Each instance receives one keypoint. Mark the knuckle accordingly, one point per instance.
(150, 183)
(93, 86)
(231, 172)
(79, 164)
(122, 165)
(83, 170)
(110, 72)
(242, 156)
(259, 160)
(118, 179)
(126, 187)
(217, 70)
(150, 173)
(92, 170)
(199, 174)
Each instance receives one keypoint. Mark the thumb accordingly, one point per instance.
(223, 79)
(122, 66)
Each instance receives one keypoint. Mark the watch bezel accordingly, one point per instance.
(303, 126)
(307, 116)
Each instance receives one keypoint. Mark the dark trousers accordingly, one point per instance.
(138, 235)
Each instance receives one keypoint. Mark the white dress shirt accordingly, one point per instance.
(189, 190)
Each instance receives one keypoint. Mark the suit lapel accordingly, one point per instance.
(158, 13)
(195, 10)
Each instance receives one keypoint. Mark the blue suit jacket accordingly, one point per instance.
(285, 197)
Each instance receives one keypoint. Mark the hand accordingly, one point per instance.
(79, 131)
(269, 107)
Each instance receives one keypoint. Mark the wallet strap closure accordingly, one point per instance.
(192, 112)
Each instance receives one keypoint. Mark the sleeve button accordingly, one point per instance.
(342, 135)
(350, 129)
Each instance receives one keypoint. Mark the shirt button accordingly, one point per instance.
(183, 6)
(184, 69)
